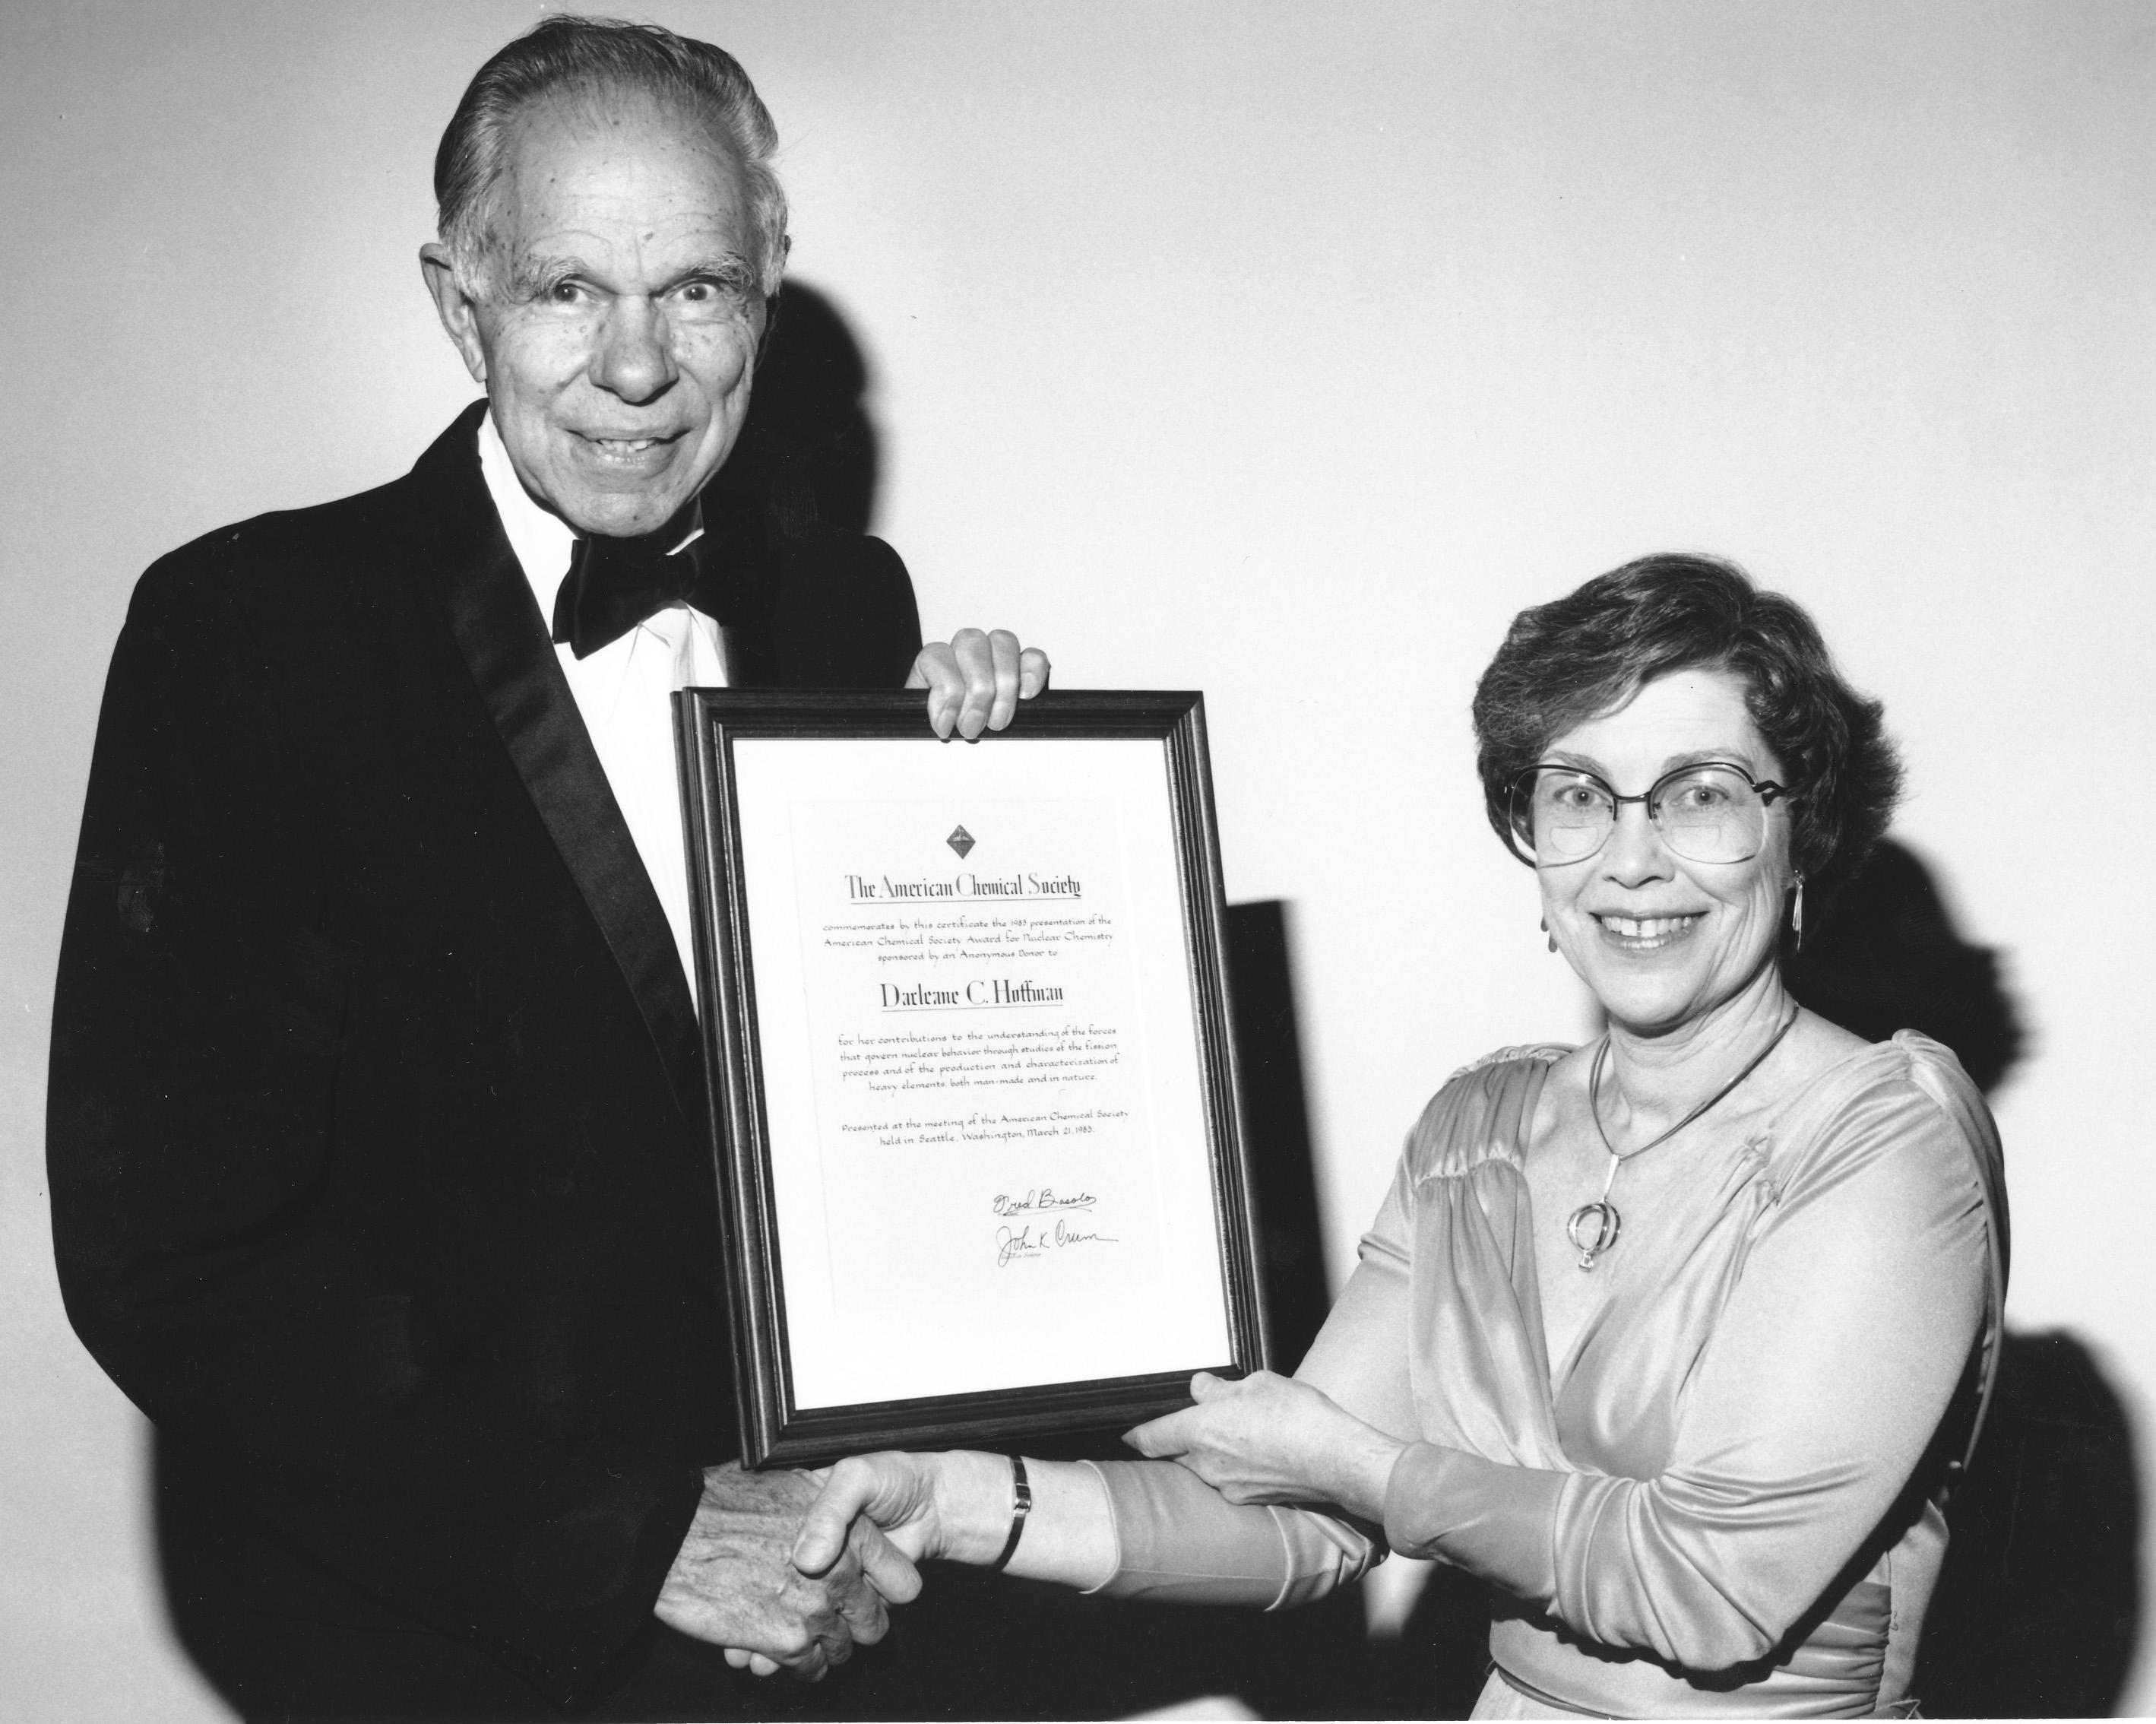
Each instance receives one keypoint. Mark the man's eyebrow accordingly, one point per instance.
(531, 272)
(723, 266)
(534, 271)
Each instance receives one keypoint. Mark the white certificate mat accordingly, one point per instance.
(980, 1067)
(974, 1097)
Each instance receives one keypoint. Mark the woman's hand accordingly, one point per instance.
(1268, 1438)
(955, 1506)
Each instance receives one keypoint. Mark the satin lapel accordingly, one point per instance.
(505, 644)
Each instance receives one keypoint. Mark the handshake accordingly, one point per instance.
(792, 1570)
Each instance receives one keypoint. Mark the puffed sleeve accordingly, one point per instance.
(1178, 1539)
(1827, 1375)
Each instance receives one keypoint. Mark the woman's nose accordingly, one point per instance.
(1634, 852)
(633, 360)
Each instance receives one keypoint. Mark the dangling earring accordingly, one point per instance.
(1544, 925)
(1797, 915)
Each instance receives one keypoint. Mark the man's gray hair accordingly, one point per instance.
(587, 57)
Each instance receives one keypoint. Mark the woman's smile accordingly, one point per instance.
(1645, 934)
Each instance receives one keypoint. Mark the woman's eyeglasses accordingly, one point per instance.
(1713, 812)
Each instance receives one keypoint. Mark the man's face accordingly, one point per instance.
(616, 334)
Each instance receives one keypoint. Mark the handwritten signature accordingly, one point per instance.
(1014, 1245)
(1045, 1198)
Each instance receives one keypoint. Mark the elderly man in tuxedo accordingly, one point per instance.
(379, 1170)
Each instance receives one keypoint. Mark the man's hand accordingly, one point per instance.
(976, 681)
(1269, 1439)
(734, 1583)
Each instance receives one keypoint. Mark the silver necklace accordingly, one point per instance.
(1602, 1215)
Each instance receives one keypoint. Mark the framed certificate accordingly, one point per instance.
(973, 1098)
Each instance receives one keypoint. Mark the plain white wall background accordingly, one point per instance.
(1280, 351)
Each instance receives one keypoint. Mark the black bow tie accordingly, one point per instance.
(614, 584)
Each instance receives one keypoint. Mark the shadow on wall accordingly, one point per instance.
(1888, 957)
(808, 417)
(2037, 1610)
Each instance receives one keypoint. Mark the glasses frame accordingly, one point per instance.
(1765, 788)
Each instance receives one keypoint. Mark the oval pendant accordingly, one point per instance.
(1607, 1224)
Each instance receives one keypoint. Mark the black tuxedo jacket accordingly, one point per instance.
(379, 1180)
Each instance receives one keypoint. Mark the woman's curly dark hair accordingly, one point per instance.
(1564, 662)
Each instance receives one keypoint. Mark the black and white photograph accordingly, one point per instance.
(1066, 859)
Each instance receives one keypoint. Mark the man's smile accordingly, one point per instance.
(629, 454)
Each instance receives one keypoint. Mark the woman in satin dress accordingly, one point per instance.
(1675, 1340)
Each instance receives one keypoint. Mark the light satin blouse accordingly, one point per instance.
(1724, 1501)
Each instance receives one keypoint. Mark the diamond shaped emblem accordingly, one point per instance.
(961, 840)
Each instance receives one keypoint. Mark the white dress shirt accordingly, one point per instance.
(622, 690)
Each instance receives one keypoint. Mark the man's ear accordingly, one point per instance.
(459, 315)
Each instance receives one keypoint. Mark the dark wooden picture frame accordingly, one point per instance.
(773, 1430)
